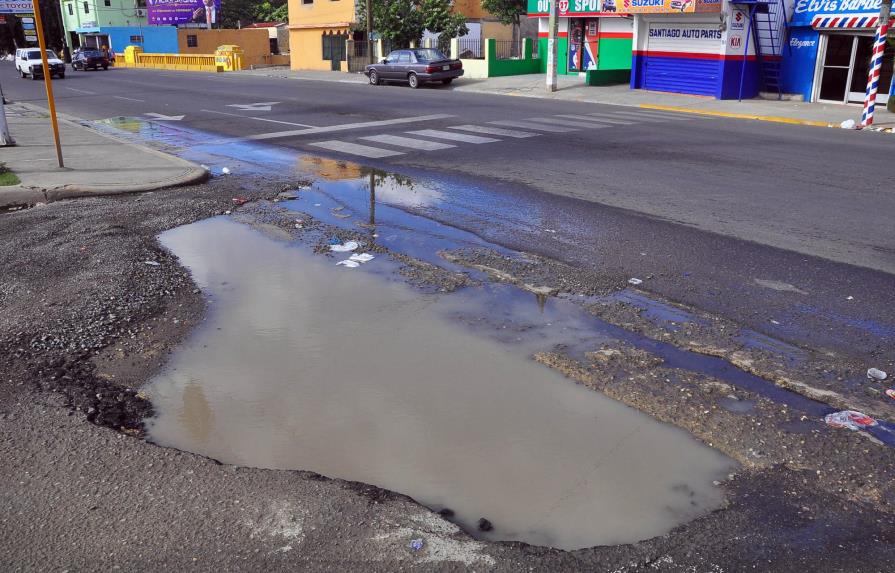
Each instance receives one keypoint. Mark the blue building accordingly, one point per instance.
(828, 52)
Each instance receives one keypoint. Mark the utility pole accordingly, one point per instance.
(876, 63)
(6, 139)
(551, 45)
(48, 81)
(370, 55)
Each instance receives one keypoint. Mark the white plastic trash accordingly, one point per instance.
(876, 374)
(345, 247)
(634, 281)
(349, 263)
(361, 258)
(847, 124)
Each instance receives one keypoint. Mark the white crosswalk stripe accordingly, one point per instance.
(564, 122)
(674, 116)
(595, 119)
(356, 149)
(451, 136)
(640, 117)
(533, 125)
(408, 142)
(610, 118)
(494, 131)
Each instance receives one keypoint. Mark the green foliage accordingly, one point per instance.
(7, 177)
(403, 21)
(506, 11)
(237, 13)
(275, 11)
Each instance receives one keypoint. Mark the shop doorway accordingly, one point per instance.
(583, 44)
(844, 69)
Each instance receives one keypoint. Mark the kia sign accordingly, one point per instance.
(15, 6)
(161, 12)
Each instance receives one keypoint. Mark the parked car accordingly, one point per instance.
(29, 63)
(90, 59)
(416, 67)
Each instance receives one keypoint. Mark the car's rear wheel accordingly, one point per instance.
(413, 80)
(447, 82)
(374, 78)
(34, 76)
(106, 67)
(61, 76)
(21, 74)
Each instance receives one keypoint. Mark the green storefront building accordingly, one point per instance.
(593, 39)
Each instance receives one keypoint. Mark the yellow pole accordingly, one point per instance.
(48, 82)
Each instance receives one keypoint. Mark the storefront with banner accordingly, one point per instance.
(694, 47)
(828, 53)
(593, 37)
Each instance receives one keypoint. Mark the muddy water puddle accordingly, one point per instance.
(305, 365)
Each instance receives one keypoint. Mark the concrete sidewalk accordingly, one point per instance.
(95, 163)
(572, 88)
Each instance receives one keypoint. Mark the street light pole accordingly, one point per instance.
(553, 25)
(6, 139)
(48, 82)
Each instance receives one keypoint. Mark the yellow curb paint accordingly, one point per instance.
(773, 118)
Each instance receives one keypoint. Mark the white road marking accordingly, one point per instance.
(162, 117)
(450, 136)
(608, 118)
(565, 122)
(80, 91)
(494, 131)
(640, 117)
(408, 142)
(346, 127)
(129, 98)
(356, 149)
(260, 106)
(666, 114)
(257, 118)
(533, 125)
(597, 119)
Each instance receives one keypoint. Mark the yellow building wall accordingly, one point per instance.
(308, 22)
(255, 43)
(472, 9)
(497, 31)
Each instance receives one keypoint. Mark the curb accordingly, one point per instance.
(734, 115)
(30, 194)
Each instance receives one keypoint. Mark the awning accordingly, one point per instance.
(843, 21)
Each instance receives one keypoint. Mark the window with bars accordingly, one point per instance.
(192, 41)
(86, 7)
(334, 46)
(107, 2)
(136, 39)
(71, 10)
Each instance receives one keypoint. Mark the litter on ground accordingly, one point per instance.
(361, 258)
(876, 374)
(349, 263)
(344, 247)
(416, 544)
(634, 281)
(850, 419)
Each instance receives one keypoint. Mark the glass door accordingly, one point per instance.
(858, 86)
(836, 74)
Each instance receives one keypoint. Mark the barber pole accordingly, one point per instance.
(876, 64)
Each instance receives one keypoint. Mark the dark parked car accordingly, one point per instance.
(87, 59)
(415, 66)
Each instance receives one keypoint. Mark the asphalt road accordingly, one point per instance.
(714, 210)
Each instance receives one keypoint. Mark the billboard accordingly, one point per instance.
(15, 6)
(161, 12)
(669, 6)
(573, 7)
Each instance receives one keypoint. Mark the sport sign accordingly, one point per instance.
(15, 6)
(572, 7)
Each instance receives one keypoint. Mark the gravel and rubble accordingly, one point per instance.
(85, 321)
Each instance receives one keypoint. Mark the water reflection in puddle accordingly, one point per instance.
(305, 365)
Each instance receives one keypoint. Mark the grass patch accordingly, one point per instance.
(7, 177)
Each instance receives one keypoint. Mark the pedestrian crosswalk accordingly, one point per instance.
(386, 145)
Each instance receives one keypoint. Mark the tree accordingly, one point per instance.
(275, 11)
(507, 12)
(403, 21)
(237, 13)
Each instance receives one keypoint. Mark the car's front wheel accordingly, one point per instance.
(413, 80)
(21, 74)
(374, 78)
(34, 76)
(105, 67)
(61, 76)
